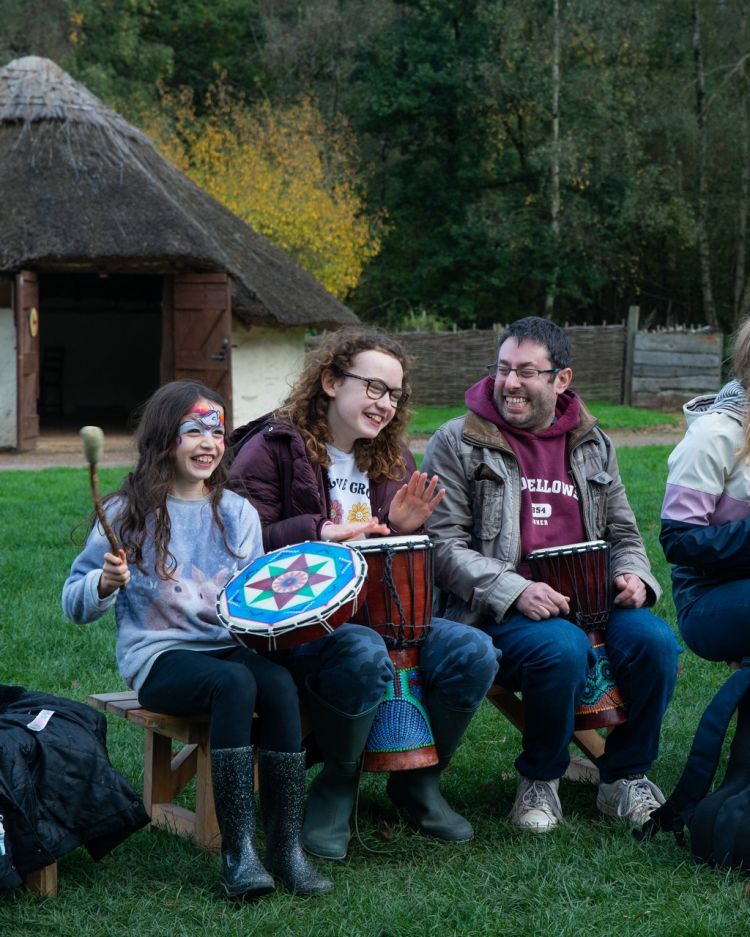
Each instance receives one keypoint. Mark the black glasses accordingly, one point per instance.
(377, 389)
(523, 374)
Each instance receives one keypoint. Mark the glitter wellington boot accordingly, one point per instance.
(242, 872)
(282, 800)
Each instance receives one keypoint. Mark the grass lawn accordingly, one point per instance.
(588, 877)
(425, 420)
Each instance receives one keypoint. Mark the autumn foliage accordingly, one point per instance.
(280, 170)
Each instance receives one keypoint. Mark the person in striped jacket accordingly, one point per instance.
(705, 520)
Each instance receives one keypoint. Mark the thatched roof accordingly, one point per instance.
(83, 188)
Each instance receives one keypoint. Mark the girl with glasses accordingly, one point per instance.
(331, 464)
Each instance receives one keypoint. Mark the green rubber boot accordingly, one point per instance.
(417, 794)
(330, 800)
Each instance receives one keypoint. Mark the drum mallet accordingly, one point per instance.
(92, 438)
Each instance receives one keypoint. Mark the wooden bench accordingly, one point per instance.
(175, 750)
(589, 741)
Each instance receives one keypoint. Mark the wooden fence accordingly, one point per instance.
(446, 363)
(671, 367)
(613, 363)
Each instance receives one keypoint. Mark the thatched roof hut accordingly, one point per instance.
(82, 186)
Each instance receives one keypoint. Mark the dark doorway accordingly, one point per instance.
(100, 347)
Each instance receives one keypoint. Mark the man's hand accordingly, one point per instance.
(539, 601)
(631, 591)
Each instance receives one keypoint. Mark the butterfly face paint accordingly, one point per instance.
(201, 419)
(198, 449)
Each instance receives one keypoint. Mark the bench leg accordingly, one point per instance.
(206, 831)
(165, 775)
(43, 881)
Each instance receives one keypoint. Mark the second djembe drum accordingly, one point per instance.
(582, 572)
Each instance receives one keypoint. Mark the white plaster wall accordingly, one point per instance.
(265, 363)
(8, 389)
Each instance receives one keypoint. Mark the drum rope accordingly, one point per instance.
(390, 583)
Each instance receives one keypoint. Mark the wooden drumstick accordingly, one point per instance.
(92, 438)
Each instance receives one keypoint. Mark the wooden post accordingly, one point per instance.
(627, 377)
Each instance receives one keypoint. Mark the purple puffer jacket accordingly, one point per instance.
(272, 469)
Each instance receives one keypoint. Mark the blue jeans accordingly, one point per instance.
(548, 662)
(350, 669)
(717, 625)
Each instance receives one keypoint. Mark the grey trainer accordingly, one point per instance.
(537, 805)
(631, 799)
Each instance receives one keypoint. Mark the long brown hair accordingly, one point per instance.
(306, 407)
(144, 491)
(741, 369)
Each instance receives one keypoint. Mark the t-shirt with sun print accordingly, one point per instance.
(348, 488)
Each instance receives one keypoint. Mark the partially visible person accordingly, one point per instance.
(182, 536)
(331, 464)
(528, 468)
(705, 519)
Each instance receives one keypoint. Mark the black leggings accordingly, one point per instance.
(229, 684)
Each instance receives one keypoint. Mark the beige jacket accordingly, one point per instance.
(476, 527)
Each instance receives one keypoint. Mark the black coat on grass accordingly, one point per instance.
(58, 789)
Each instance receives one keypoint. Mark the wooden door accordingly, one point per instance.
(197, 332)
(27, 365)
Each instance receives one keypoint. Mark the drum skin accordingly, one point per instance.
(293, 595)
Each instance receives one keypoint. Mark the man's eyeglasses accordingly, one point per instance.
(377, 389)
(523, 374)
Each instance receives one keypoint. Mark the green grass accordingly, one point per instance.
(425, 420)
(588, 877)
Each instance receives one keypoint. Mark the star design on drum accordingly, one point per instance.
(283, 584)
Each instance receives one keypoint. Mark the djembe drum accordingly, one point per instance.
(399, 608)
(582, 572)
(293, 595)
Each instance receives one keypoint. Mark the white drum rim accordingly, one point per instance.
(400, 542)
(582, 547)
(348, 593)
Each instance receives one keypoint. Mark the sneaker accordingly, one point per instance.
(537, 806)
(631, 799)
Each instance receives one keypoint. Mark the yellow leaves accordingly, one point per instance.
(282, 171)
(76, 23)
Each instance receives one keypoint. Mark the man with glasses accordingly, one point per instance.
(528, 468)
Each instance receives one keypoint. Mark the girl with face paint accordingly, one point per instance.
(183, 537)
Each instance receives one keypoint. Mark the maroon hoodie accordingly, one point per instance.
(550, 507)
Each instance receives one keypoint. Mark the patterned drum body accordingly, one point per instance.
(582, 572)
(399, 588)
(293, 595)
(401, 737)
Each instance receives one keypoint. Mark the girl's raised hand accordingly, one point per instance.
(115, 574)
(414, 502)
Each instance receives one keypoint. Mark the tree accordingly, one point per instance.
(281, 171)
